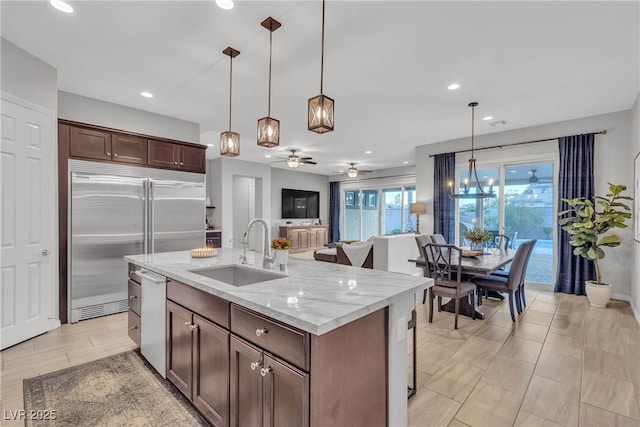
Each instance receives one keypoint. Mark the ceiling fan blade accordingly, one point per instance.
(306, 158)
(364, 171)
(308, 162)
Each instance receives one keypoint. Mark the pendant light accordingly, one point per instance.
(472, 173)
(230, 141)
(268, 127)
(320, 109)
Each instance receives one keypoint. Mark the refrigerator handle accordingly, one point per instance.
(150, 219)
(145, 217)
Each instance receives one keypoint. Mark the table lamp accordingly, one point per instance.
(417, 208)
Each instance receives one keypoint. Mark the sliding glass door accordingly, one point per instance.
(374, 211)
(523, 209)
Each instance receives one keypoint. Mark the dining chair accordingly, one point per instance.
(500, 241)
(444, 265)
(422, 240)
(510, 284)
(520, 293)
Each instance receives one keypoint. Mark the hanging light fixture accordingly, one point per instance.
(472, 174)
(268, 127)
(230, 141)
(293, 162)
(320, 109)
(533, 179)
(352, 172)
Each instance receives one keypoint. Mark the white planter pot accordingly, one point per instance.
(598, 294)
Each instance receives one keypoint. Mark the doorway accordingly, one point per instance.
(244, 210)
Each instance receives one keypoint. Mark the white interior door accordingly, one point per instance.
(28, 248)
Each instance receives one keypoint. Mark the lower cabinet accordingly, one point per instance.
(198, 362)
(266, 391)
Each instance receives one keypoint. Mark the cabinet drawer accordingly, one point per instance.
(135, 290)
(290, 344)
(206, 305)
(134, 327)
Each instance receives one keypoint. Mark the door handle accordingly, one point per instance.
(45, 252)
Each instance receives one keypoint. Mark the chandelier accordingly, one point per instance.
(472, 180)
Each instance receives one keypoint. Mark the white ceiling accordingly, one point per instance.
(387, 65)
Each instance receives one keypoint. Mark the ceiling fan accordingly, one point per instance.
(353, 172)
(533, 179)
(295, 160)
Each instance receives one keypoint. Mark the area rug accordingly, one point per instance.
(120, 390)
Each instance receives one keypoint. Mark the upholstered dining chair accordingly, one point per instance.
(444, 265)
(512, 283)
(521, 299)
(438, 239)
(421, 241)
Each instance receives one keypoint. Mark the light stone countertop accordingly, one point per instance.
(314, 296)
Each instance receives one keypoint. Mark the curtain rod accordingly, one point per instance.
(602, 132)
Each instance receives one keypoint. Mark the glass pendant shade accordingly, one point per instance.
(268, 132)
(229, 144)
(320, 114)
(352, 172)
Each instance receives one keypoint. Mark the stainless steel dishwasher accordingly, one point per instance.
(153, 316)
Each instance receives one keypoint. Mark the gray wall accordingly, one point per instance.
(28, 77)
(89, 110)
(635, 151)
(612, 164)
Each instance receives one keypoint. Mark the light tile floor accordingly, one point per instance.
(562, 363)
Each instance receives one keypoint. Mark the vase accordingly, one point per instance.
(598, 294)
(280, 258)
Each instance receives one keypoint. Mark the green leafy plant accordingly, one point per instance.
(586, 221)
(477, 235)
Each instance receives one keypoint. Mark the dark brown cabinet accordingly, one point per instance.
(89, 144)
(175, 156)
(264, 390)
(198, 362)
(128, 149)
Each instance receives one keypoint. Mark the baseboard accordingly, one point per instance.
(636, 310)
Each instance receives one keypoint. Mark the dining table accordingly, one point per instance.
(484, 263)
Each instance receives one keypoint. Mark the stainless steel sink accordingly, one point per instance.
(236, 275)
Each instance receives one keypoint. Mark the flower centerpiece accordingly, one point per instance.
(477, 236)
(281, 243)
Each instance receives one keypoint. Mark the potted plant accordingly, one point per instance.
(477, 237)
(588, 224)
(281, 246)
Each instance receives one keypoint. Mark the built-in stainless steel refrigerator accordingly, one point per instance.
(122, 210)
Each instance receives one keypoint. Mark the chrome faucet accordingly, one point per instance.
(243, 257)
(266, 259)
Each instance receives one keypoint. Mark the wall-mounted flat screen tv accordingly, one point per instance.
(300, 203)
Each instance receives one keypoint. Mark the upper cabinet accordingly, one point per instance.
(103, 144)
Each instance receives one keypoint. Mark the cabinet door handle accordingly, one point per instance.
(133, 328)
(115, 154)
(181, 163)
(175, 163)
(265, 371)
(133, 297)
(192, 327)
(255, 365)
(261, 331)
(187, 324)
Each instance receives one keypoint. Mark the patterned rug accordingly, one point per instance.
(120, 390)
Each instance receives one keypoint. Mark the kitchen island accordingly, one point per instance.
(336, 333)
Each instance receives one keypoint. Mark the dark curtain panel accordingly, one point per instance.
(444, 171)
(576, 180)
(334, 212)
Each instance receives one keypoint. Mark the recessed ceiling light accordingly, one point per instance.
(225, 4)
(61, 6)
(487, 118)
(453, 86)
(146, 94)
(209, 145)
(368, 152)
(405, 163)
(267, 155)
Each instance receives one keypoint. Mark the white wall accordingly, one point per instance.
(28, 77)
(612, 164)
(297, 180)
(94, 111)
(244, 190)
(635, 150)
(220, 178)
